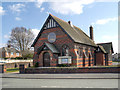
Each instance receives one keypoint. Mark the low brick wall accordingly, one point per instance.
(71, 70)
(16, 64)
(3, 67)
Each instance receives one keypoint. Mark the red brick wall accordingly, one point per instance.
(100, 58)
(12, 56)
(5, 55)
(61, 39)
(86, 50)
(72, 70)
(110, 58)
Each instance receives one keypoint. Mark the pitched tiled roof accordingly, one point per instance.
(9, 50)
(107, 46)
(75, 33)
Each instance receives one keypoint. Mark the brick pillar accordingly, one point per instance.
(21, 68)
(2, 68)
(29, 65)
(5, 69)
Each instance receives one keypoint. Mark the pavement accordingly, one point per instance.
(62, 76)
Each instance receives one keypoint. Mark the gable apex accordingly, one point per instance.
(46, 25)
(74, 33)
(50, 23)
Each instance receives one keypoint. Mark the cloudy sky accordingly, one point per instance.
(102, 14)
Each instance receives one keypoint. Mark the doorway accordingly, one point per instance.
(46, 59)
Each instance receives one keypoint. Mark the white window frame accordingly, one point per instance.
(12, 53)
(7, 53)
(17, 54)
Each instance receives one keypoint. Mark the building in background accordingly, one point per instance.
(60, 43)
(116, 57)
(8, 52)
(108, 51)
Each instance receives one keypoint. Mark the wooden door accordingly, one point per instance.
(46, 60)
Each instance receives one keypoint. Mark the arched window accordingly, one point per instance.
(80, 52)
(83, 60)
(65, 50)
(89, 61)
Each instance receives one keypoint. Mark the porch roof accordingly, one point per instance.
(49, 46)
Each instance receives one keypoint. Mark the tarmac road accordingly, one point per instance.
(85, 80)
(59, 83)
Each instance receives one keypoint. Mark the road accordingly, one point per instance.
(84, 80)
(59, 83)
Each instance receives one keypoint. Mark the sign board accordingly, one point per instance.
(64, 60)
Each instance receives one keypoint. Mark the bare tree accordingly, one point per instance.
(21, 39)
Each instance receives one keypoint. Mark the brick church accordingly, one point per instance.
(59, 43)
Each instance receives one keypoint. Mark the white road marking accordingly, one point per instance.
(49, 86)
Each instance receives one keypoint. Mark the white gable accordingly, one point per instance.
(50, 24)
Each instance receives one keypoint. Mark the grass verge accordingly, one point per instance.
(12, 70)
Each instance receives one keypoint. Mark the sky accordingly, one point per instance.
(31, 14)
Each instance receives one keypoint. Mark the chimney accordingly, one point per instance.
(8, 46)
(91, 33)
(70, 23)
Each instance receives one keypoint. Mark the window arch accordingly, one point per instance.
(89, 60)
(83, 59)
(80, 51)
(65, 50)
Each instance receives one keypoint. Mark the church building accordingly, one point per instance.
(59, 43)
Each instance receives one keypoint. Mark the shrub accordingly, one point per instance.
(19, 58)
(15, 65)
(5, 58)
(118, 65)
(12, 58)
(28, 56)
(37, 64)
(29, 65)
(63, 65)
(25, 58)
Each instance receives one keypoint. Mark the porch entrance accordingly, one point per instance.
(46, 59)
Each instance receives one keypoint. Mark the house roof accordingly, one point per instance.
(107, 46)
(9, 50)
(102, 49)
(49, 46)
(75, 33)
